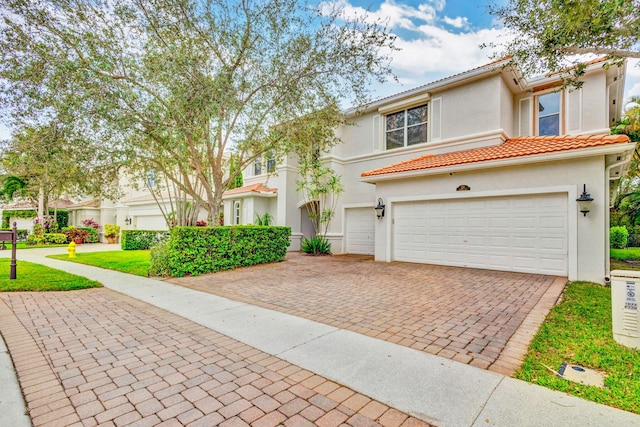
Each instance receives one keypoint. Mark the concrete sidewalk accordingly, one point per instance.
(434, 389)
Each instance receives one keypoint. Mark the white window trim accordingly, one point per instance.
(561, 113)
(405, 127)
(236, 218)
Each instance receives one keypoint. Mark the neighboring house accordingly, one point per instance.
(27, 223)
(481, 169)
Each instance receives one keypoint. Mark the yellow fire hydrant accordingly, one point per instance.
(72, 250)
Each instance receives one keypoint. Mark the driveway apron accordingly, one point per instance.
(483, 318)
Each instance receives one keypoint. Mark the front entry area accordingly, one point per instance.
(516, 233)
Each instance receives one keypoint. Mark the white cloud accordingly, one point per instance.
(459, 22)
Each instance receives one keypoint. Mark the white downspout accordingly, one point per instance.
(607, 214)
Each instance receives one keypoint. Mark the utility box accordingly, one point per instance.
(625, 286)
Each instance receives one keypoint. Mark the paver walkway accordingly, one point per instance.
(96, 357)
(467, 315)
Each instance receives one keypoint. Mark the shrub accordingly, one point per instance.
(74, 233)
(316, 246)
(618, 237)
(264, 219)
(111, 230)
(159, 257)
(92, 234)
(54, 239)
(201, 250)
(90, 223)
(132, 240)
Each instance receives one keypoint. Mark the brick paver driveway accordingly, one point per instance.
(96, 357)
(467, 315)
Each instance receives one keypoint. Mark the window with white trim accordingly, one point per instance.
(548, 114)
(236, 212)
(259, 165)
(406, 127)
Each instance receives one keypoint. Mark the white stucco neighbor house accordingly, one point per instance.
(481, 169)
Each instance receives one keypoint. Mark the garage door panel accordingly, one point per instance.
(526, 234)
(360, 231)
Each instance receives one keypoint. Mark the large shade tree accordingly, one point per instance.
(178, 83)
(554, 35)
(48, 161)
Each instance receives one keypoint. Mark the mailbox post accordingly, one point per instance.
(11, 236)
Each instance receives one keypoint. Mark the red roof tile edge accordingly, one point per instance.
(253, 188)
(511, 148)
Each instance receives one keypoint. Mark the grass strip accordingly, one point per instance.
(131, 262)
(36, 277)
(579, 331)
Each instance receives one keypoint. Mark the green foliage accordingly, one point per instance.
(174, 84)
(628, 253)
(131, 262)
(38, 278)
(111, 230)
(54, 238)
(321, 188)
(92, 235)
(316, 246)
(550, 35)
(237, 180)
(62, 218)
(12, 186)
(160, 265)
(142, 239)
(201, 250)
(618, 237)
(578, 330)
(265, 219)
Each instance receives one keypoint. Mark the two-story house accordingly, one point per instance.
(481, 169)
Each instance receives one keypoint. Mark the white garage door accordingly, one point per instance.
(360, 223)
(527, 234)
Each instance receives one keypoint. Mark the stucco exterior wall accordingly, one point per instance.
(590, 248)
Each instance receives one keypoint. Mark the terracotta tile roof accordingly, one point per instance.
(86, 204)
(253, 188)
(515, 147)
(55, 204)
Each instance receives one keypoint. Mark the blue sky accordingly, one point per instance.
(437, 38)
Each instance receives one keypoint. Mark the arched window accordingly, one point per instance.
(236, 213)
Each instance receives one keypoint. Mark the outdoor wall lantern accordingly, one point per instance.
(584, 201)
(128, 220)
(379, 209)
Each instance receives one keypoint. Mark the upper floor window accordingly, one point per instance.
(549, 114)
(407, 127)
(260, 167)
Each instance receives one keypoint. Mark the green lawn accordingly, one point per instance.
(132, 262)
(629, 253)
(36, 277)
(578, 331)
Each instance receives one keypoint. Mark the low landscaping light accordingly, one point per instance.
(584, 201)
(379, 209)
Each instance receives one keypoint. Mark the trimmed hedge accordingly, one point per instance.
(201, 250)
(132, 240)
